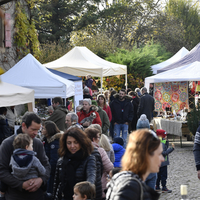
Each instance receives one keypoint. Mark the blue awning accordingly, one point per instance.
(64, 75)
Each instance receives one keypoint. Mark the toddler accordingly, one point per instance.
(25, 165)
(84, 190)
(162, 174)
(118, 150)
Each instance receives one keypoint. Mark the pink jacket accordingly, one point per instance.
(107, 166)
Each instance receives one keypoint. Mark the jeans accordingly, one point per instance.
(162, 176)
(151, 180)
(124, 129)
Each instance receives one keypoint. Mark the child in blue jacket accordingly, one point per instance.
(162, 174)
(118, 150)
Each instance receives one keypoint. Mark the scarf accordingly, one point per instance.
(68, 175)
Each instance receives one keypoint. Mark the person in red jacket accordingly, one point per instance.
(86, 111)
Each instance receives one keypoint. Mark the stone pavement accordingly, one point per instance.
(182, 170)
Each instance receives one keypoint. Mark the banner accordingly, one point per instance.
(171, 94)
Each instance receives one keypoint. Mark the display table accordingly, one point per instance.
(173, 127)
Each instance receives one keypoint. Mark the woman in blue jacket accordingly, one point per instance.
(51, 145)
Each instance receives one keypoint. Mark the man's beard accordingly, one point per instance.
(66, 126)
(121, 98)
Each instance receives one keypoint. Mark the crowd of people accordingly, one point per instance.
(86, 154)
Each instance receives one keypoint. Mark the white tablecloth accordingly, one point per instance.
(170, 126)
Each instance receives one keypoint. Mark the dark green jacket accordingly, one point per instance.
(105, 120)
(58, 117)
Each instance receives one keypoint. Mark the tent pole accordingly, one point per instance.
(126, 80)
(101, 79)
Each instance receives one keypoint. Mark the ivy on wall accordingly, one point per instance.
(25, 36)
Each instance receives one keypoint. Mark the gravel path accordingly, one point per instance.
(182, 170)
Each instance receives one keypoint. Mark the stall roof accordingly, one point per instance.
(80, 61)
(190, 72)
(192, 56)
(30, 73)
(180, 54)
(64, 75)
(11, 95)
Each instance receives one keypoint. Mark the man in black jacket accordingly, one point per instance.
(30, 189)
(122, 114)
(146, 105)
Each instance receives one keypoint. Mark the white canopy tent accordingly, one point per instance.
(190, 72)
(80, 61)
(11, 95)
(30, 73)
(180, 54)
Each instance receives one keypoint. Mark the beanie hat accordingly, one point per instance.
(119, 141)
(143, 122)
(161, 132)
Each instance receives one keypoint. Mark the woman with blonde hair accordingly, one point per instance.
(107, 96)
(105, 144)
(143, 156)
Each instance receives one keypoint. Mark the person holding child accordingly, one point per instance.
(29, 189)
(162, 174)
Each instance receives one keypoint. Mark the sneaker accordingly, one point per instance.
(166, 190)
(157, 188)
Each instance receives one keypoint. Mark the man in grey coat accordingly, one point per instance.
(33, 188)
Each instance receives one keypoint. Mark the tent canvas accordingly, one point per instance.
(65, 75)
(192, 56)
(80, 61)
(30, 73)
(11, 95)
(180, 54)
(190, 72)
(78, 85)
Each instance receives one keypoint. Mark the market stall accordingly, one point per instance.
(11, 95)
(80, 61)
(172, 87)
(30, 73)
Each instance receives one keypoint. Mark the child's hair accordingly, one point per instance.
(104, 143)
(86, 188)
(21, 141)
(116, 170)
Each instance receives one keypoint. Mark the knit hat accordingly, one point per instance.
(119, 140)
(161, 132)
(143, 122)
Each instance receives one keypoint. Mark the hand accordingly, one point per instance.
(32, 185)
(173, 145)
(86, 124)
(198, 174)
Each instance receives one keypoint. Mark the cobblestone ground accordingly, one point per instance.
(182, 170)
